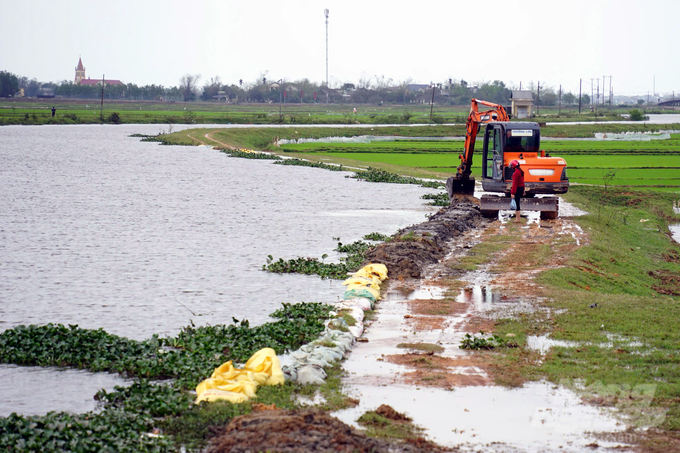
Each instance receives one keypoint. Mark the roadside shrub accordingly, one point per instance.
(637, 115)
(113, 118)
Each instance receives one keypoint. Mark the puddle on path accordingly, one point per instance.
(534, 418)
(538, 417)
(39, 390)
(543, 344)
(675, 232)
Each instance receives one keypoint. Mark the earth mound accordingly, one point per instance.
(299, 432)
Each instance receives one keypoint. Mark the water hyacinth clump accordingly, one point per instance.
(186, 358)
(355, 251)
(375, 175)
(309, 163)
(130, 417)
(438, 199)
(249, 154)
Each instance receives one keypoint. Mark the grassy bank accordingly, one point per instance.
(618, 301)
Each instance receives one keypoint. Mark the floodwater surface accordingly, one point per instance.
(102, 230)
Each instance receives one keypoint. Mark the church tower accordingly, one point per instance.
(80, 71)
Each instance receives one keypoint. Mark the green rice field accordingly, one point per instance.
(641, 164)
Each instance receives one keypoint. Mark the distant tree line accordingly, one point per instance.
(263, 90)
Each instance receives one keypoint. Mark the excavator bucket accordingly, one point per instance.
(457, 186)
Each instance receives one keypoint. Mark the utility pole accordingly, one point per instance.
(280, 82)
(538, 100)
(432, 103)
(597, 99)
(580, 84)
(559, 110)
(604, 78)
(592, 94)
(101, 110)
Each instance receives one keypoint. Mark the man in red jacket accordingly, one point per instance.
(517, 190)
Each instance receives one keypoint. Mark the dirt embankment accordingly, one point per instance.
(419, 246)
(300, 432)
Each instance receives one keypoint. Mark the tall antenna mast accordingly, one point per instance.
(325, 12)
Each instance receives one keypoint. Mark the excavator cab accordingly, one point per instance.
(504, 142)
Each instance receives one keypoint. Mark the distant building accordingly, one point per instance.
(45, 93)
(522, 103)
(93, 82)
(81, 80)
(80, 71)
(417, 87)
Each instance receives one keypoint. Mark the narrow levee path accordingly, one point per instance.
(411, 357)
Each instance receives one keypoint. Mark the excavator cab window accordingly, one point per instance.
(493, 152)
(522, 141)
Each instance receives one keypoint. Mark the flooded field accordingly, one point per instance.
(101, 230)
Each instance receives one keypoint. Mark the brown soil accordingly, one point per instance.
(436, 307)
(300, 432)
(433, 370)
(518, 266)
(389, 413)
(669, 283)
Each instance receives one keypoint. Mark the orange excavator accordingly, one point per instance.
(505, 141)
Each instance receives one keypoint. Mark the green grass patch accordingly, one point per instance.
(619, 299)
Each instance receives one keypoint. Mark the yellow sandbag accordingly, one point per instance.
(373, 270)
(263, 368)
(373, 282)
(211, 395)
(374, 291)
(265, 361)
(241, 385)
(226, 371)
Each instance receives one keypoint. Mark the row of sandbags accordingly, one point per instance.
(307, 364)
(238, 385)
(363, 290)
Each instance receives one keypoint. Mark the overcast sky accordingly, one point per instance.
(158, 41)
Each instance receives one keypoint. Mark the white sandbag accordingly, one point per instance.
(363, 302)
(289, 372)
(310, 374)
(357, 330)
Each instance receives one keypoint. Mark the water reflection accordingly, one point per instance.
(37, 390)
(479, 295)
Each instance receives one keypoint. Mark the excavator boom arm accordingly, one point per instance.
(475, 119)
